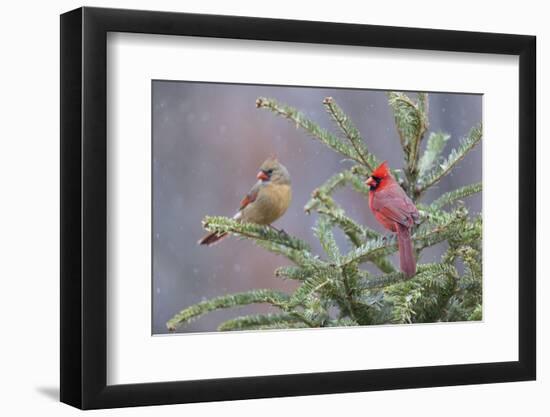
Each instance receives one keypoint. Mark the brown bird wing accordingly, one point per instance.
(393, 203)
(250, 197)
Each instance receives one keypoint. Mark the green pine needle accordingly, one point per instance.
(352, 134)
(452, 196)
(435, 145)
(260, 321)
(456, 155)
(300, 120)
(275, 298)
(323, 232)
(411, 121)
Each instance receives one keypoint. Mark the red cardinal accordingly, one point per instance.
(395, 211)
(265, 202)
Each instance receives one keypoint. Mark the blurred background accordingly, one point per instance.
(208, 142)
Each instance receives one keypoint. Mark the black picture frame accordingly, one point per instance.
(84, 207)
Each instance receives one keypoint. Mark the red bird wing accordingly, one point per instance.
(392, 203)
(250, 197)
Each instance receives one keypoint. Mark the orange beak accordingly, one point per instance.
(262, 176)
(370, 181)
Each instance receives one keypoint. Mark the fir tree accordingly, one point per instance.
(336, 280)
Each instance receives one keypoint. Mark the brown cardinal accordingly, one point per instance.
(265, 202)
(395, 211)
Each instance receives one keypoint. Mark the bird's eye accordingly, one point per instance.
(269, 171)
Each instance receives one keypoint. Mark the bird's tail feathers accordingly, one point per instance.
(406, 251)
(212, 238)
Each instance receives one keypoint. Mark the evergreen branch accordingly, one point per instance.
(441, 217)
(350, 274)
(456, 155)
(357, 181)
(343, 322)
(252, 322)
(426, 238)
(282, 326)
(275, 298)
(411, 122)
(300, 120)
(477, 313)
(299, 257)
(471, 233)
(266, 237)
(383, 264)
(324, 279)
(322, 194)
(304, 319)
(465, 303)
(383, 280)
(454, 195)
(357, 234)
(435, 145)
(323, 231)
(321, 197)
(308, 289)
(354, 231)
(437, 269)
(298, 273)
(396, 277)
(385, 246)
(315, 310)
(424, 295)
(263, 235)
(351, 133)
(406, 116)
(370, 250)
(423, 105)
